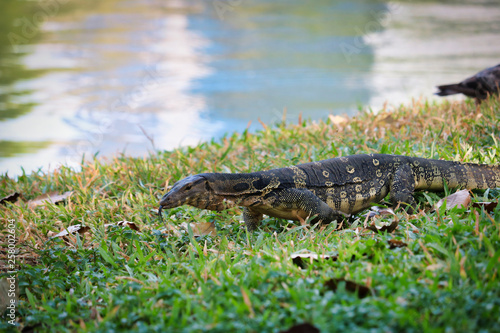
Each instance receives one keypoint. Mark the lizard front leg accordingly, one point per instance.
(252, 218)
(402, 187)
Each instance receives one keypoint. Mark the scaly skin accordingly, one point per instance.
(327, 190)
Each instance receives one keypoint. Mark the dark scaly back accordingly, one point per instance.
(351, 183)
(327, 173)
(357, 169)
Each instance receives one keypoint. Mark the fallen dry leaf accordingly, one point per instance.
(124, 223)
(129, 224)
(201, 228)
(204, 229)
(51, 197)
(300, 259)
(386, 227)
(378, 211)
(302, 328)
(394, 243)
(459, 198)
(488, 206)
(361, 290)
(383, 211)
(338, 120)
(73, 229)
(369, 214)
(9, 198)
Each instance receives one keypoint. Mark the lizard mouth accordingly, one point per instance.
(167, 202)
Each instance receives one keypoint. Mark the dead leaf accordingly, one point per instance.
(52, 197)
(394, 243)
(300, 259)
(459, 198)
(383, 211)
(369, 214)
(488, 206)
(386, 227)
(82, 324)
(129, 224)
(361, 290)
(201, 228)
(71, 230)
(124, 223)
(302, 328)
(10, 198)
(338, 120)
(378, 211)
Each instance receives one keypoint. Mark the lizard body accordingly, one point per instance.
(327, 190)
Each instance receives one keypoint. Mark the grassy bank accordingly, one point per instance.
(162, 277)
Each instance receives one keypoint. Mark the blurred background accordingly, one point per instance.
(133, 76)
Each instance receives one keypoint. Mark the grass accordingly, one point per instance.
(161, 279)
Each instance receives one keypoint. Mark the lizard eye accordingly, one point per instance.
(188, 187)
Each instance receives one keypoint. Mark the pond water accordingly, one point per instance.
(113, 76)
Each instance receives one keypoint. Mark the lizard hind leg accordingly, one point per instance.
(305, 200)
(293, 204)
(402, 188)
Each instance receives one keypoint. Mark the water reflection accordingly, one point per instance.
(268, 56)
(132, 76)
(452, 42)
(117, 79)
(11, 70)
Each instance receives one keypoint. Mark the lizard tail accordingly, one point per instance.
(433, 174)
(477, 176)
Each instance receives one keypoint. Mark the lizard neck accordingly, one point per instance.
(241, 184)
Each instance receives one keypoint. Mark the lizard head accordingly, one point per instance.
(195, 191)
(185, 192)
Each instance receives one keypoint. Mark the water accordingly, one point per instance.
(112, 76)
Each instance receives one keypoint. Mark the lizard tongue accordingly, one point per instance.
(159, 213)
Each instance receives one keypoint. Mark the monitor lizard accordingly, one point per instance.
(327, 190)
